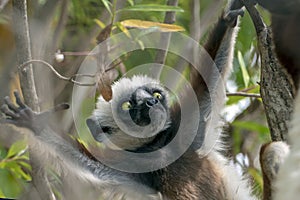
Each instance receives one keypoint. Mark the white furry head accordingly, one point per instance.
(129, 128)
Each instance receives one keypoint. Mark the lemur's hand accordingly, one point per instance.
(23, 116)
(231, 16)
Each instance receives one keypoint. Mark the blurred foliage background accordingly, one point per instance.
(62, 31)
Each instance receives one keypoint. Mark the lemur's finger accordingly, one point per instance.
(26, 113)
(18, 100)
(4, 108)
(8, 121)
(10, 104)
(2, 120)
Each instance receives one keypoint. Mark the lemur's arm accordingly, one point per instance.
(220, 47)
(220, 43)
(70, 157)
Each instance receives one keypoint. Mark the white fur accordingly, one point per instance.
(104, 113)
(288, 180)
(237, 187)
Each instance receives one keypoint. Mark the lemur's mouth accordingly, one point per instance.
(140, 113)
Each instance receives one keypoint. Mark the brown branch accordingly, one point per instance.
(276, 86)
(243, 94)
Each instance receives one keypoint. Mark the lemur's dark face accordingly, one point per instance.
(143, 102)
(138, 111)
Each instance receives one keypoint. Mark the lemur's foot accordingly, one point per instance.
(23, 116)
(231, 16)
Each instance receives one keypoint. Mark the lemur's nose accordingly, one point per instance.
(151, 101)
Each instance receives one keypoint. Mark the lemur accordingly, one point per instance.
(196, 174)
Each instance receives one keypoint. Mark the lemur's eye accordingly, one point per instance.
(157, 95)
(126, 105)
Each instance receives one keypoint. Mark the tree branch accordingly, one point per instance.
(58, 75)
(23, 49)
(243, 94)
(277, 89)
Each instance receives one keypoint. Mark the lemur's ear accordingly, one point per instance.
(94, 127)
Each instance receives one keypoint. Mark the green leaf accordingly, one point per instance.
(17, 148)
(134, 23)
(123, 29)
(25, 165)
(152, 7)
(107, 5)
(17, 171)
(1, 193)
(131, 2)
(234, 100)
(237, 140)
(3, 152)
(10, 186)
(251, 126)
(257, 178)
(99, 23)
(245, 74)
(2, 164)
(23, 156)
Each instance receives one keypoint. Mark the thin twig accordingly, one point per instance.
(243, 94)
(79, 53)
(249, 88)
(70, 79)
(118, 63)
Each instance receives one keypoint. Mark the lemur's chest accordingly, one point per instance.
(189, 178)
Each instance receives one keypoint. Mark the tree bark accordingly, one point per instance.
(276, 86)
(23, 49)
